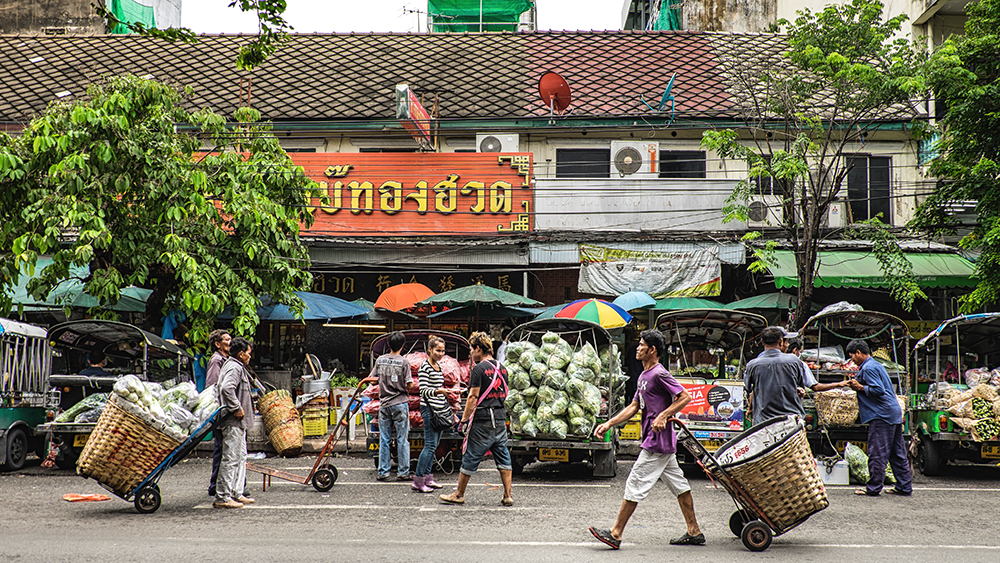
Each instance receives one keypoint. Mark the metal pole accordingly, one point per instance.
(480, 16)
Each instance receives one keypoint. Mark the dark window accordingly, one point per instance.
(465, 150)
(764, 184)
(868, 187)
(583, 163)
(376, 149)
(682, 164)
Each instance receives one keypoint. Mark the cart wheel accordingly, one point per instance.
(324, 478)
(147, 500)
(929, 457)
(737, 521)
(756, 536)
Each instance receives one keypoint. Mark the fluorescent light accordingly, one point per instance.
(332, 325)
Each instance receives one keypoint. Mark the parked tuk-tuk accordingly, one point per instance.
(707, 352)
(963, 340)
(129, 349)
(25, 364)
(825, 335)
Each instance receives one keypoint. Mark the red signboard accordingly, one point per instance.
(412, 114)
(412, 194)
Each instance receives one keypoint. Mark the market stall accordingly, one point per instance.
(955, 408)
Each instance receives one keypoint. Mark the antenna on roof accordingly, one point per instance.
(554, 91)
(668, 96)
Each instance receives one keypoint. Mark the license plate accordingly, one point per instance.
(712, 445)
(80, 440)
(553, 454)
(416, 444)
(991, 452)
(841, 444)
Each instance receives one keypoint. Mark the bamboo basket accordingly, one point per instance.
(287, 437)
(837, 407)
(123, 450)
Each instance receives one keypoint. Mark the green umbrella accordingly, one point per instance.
(681, 303)
(767, 301)
(478, 295)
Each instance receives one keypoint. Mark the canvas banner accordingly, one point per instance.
(612, 271)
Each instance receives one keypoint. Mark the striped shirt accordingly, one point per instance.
(430, 381)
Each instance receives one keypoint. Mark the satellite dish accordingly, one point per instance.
(554, 91)
(490, 144)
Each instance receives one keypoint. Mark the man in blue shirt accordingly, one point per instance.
(878, 408)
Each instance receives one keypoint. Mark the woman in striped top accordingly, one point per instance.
(432, 396)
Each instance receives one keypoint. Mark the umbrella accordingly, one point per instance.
(766, 301)
(402, 296)
(549, 312)
(681, 303)
(478, 294)
(485, 311)
(70, 293)
(634, 300)
(382, 315)
(597, 311)
(317, 307)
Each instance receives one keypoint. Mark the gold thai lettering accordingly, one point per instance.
(382, 283)
(319, 283)
(359, 190)
(391, 197)
(500, 196)
(333, 196)
(419, 196)
(337, 171)
(446, 200)
(521, 163)
(480, 189)
(347, 285)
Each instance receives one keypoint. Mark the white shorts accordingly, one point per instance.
(650, 467)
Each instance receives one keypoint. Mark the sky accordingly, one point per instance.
(363, 16)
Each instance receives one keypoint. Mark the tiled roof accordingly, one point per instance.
(352, 77)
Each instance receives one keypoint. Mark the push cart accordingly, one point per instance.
(770, 473)
(323, 474)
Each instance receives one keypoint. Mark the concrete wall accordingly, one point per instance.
(736, 16)
(30, 17)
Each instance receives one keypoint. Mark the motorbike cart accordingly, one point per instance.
(25, 365)
(130, 350)
(953, 417)
(708, 350)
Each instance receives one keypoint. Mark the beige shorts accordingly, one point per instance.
(650, 467)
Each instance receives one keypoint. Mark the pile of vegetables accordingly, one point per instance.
(556, 391)
(456, 382)
(87, 410)
(176, 412)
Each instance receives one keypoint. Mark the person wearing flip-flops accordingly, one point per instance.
(659, 396)
(484, 420)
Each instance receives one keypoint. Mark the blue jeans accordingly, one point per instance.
(397, 416)
(483, 437)
(425, 464)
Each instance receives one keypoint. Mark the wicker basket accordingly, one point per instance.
(282, 422)
(782, 482)
(837, 407)
(123, 450)
(287, 438)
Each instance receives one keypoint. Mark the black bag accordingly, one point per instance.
(441, 419)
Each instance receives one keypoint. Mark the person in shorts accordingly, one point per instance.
(659, 396)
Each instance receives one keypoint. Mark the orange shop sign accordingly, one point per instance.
(395, 194)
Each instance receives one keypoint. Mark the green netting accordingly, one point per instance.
(668, 20)
(464, 15)
(131, 11)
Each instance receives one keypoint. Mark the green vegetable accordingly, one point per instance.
(558, 428)
(91, 402)
(538, 373)
(513, 351)
(555, 379)
(574, 411)
(592, 400)
(560, 403)
(550, 338)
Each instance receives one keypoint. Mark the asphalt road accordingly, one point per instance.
(950, 518)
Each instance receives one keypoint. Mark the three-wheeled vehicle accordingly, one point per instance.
(129, 349)
(939, 439)
(708, 350)
(581, 447)
(825, 335)
(25, 364)
(448, 455)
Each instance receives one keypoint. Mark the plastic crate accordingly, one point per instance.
(632, 429)
(314, 425)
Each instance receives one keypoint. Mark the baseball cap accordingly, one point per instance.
(784, 333)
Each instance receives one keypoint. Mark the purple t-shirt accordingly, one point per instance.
(655, 391)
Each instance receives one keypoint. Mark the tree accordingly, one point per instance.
(117, 183)
(964, 73)
(270, 15)
(842, 75)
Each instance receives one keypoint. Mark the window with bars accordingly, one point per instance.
(868, 187)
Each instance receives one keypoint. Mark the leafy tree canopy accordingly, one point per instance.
(965, 76)
(114, 182)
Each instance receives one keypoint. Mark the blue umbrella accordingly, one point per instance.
(318, 307)
(634, 300)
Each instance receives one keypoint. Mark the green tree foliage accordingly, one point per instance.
(115, 183)
(841, 76)
(965, 76)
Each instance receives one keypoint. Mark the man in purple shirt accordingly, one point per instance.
(659, 397)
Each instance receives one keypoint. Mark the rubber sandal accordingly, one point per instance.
(864, 492)
(451, 499)
(688, 539)
(897, 492)
(507, 501)
(605, 537)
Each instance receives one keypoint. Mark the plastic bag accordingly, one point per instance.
(537, 373)
(576, 389)
(857, 463)
(559, 359)
(543, 418)
(560, 403)
(546, 395)
(574, 410)
(513, 351)
(513, 398)
(559, 428)
(555, 379)
(179, 415)
(550, 338)
(90, 402)
(89, 416)
(591, 400)
(976, 376)
(529, 394)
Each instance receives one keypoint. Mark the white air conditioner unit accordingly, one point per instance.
(836, 215)
(497, 142)
(635, 159)
(764, 211)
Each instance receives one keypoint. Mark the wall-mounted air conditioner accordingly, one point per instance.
(836, 215)
(497, 142)
(635, 159)
(765, 211)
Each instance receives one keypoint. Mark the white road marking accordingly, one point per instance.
(373, 507)
(278, 481)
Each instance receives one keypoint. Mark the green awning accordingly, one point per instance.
(861, 269)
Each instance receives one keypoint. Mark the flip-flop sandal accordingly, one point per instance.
(895, 491)
(605, 537)
(688, 539)
(864, 492)
(507, 501)
(448, 499)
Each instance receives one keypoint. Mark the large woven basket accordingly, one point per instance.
(782, 481)
(123, 450)
(282, 422)
(287, 438)
(837, 407)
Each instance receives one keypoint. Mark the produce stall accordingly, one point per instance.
(456, 366)
(130, 349)
(25, 365)
(832, 416)
(708, 351)
(955, 409)
(565, 378)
